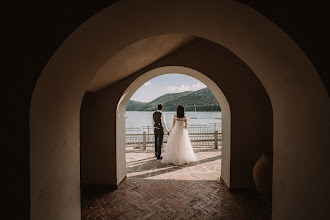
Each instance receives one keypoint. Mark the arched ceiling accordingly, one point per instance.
(137, 56)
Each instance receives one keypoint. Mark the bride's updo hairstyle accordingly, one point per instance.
(180, 111)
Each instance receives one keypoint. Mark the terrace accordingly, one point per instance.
(154, 190)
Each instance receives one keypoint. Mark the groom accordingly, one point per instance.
(159, 125)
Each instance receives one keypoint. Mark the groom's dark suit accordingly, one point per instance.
(159, 132)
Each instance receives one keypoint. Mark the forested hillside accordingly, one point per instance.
(134, 105)
(203, 99)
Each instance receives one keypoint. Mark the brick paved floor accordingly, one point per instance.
(157, 191)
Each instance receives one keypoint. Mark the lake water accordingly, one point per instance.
(144, 118)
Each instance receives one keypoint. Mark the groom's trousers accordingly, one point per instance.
(159, 134)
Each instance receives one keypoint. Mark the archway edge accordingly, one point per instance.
(278, 62)
(137, 83)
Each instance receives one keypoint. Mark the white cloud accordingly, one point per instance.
(181, 88)
(147, 83)
(198, 86)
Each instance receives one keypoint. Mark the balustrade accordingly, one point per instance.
(200, 136)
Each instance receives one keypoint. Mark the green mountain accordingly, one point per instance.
(203, 99)
(134, 105)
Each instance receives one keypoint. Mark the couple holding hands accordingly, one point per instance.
(178, 150)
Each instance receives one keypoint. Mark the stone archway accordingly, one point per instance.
(251, 129)
(225, 110)
(284, 70)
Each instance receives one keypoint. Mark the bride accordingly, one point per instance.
(178, 149)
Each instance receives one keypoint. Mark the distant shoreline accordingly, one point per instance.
(143, 118)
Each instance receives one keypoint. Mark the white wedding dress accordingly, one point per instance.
(178, 150)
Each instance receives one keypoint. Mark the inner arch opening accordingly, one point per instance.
(140, 81)
(203, 115)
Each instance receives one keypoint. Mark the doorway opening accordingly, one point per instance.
(203, 114)
(154, 169)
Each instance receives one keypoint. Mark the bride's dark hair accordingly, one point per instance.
(180, 111)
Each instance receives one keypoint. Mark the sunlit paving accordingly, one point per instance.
(143, 164)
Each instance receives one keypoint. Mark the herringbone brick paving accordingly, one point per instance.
(170, 199)
(157, 191)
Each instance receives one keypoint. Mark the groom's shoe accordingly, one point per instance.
(160, 157)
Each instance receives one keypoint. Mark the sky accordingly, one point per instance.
(168, 83)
